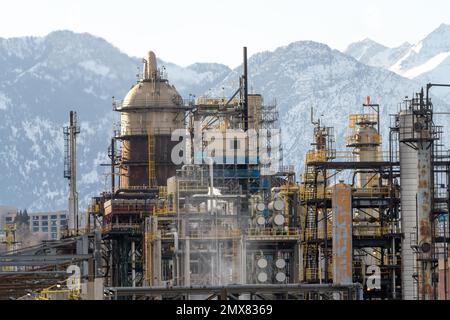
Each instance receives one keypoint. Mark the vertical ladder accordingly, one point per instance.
(311, 254)
(151, 159)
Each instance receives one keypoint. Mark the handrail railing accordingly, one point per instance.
(121, 226)
(347, 156)
(355, 119)
(122, 131)
(123, 105)
(291, 232)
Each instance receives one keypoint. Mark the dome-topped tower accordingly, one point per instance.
(151, 110)
(152, 90)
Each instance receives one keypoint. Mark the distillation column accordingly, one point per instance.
(416, 200)
(366, 141)
(150, 112)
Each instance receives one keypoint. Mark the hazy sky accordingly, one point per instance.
(187, 31)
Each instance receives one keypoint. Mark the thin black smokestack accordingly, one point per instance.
(245, 90)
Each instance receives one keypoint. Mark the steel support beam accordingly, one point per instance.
(236, 289)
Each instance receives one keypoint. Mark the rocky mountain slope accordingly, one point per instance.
(374, 54)
(426, 61)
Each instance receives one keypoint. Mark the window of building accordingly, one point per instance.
(54, 229)
(54, 217)
(63, 222)
(54, 236)
(44, 217)
(53, 223)
(44, 229)
(8, 219)
(63, 216)
(35, 217)
(35, 223)
(45, 223)
(35, 229)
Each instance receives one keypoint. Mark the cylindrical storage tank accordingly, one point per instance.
(262, 263)
(280, 277)
(259, 207)
(260, 220)
(280, 263)
(276, 205)
(150, 112)
(278, 220)
(262, 277)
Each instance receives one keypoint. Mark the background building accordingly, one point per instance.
(48, 223)
(7, 215)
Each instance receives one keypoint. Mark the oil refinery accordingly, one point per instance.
(202, 206)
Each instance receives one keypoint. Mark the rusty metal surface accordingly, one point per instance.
(134, 167)
(424, 239)
(342, 234)
(444, 279)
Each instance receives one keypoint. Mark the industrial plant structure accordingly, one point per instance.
(202, 206)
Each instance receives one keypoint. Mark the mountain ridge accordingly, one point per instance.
(42, 82)
(426, 61)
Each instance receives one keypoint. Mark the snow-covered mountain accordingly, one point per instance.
(196, 78)
(42, 79)
(426, 61)
(429, 55)
(374, 54)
